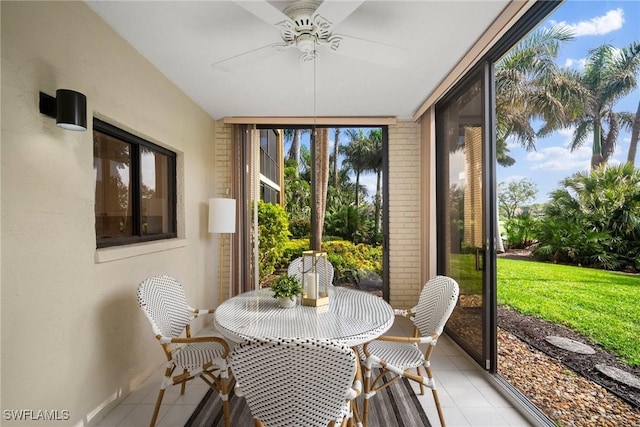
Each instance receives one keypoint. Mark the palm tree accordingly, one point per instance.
(374, 160)
(336, 145)
(356, 155)
(294, 135)
(633, 145)
(297, 200)
(609, 75)
(321, 177)
(529, 86)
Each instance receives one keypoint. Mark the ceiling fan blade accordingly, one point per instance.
(264, 10)
(252, 56)
(371, 51)
(337, 11)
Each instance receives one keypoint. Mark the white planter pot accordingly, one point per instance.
(287, 302)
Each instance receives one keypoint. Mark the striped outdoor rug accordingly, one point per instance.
(397, 405)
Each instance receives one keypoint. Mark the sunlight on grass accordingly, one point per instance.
(602, 305)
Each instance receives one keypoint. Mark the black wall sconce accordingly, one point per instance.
(69, 108)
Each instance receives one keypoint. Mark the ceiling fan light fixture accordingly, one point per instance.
(306, 43)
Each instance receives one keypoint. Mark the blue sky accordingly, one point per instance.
(595, 23)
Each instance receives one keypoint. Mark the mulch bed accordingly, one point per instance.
(564, 385)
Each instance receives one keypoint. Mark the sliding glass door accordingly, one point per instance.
(464, 212)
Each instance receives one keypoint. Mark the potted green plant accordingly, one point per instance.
(286, 288)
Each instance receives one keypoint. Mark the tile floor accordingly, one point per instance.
(467, 397)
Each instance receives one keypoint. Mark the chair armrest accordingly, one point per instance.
(200, 311)
(406, 340)
(409, 312)
(191, 340)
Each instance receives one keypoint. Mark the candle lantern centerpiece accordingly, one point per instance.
(315, 279)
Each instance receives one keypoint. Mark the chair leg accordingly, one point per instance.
(167, 377)
(156, 410)
(355, 420)
(436, 399)
(421, 385)
(184, 383)
(438, 407)
(224, 394)
(366, 384)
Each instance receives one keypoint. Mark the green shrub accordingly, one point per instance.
(273, 234)
(520, 231)
(348, 259)
(348, 222)
(594, 220)
(292, 250)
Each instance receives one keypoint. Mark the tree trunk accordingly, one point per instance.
(378, 201)
(321, 173)
(357, 187)
(294, 150)
(633, 145)
(596, 157)
(335, 157)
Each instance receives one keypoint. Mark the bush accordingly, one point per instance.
(348, 259)
(594, 220)
(292, 250)
(520, 231)
(348, 222)
(273, 234)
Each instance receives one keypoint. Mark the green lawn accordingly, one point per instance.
(602, 305)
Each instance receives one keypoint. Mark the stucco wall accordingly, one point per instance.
(73, 337)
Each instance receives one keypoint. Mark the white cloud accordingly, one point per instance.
(567, 132)
(610, 21)
(515, 178)
(512, 142)
(578, 64)
(535, 156)
(561, 159)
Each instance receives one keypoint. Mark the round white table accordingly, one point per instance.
(351, 318)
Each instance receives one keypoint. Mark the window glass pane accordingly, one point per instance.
(155, 185)
(461, 196)
(135, 188)
(112, 168)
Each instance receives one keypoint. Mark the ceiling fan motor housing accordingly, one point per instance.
(307, 30)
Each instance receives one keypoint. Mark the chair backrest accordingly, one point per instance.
(297, 269)
(163, 301)
(294, 382)
(437, 301)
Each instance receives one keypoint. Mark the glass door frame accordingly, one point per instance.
(484, 73)
(485, 67)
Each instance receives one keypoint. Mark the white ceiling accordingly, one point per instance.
(184, 39)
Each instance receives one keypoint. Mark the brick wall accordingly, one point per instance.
(223, 176)
(404, 213)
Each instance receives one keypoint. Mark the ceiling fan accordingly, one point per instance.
(307, 25)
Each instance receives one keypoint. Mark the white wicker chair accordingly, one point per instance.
(398, 355)
(297, 382)
(297, 270)
(163, 301)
